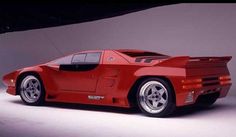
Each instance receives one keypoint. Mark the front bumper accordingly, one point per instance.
(11, 90)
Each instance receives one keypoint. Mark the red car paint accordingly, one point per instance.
(111, 81)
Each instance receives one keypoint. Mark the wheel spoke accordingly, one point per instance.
(154, 103)
(32, 95)
(36, 84)
(162, 100)
(31, 83)
(26, 89)
(37, 92)
(154, 89)
(149, 97)
(161, 91)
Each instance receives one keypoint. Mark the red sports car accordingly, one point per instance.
(154, 82)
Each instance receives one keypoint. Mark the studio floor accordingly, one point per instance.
(73, 120)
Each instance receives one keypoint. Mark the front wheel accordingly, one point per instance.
(155, 97)
(31, 90)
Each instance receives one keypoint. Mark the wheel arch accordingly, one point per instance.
(25, 73)
(132, 92)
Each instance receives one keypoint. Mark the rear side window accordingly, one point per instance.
(86, 58)
(93, 57)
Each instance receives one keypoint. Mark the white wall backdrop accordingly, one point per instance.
(182, 29)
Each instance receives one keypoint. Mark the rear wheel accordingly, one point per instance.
(31, 90)
(155, 97)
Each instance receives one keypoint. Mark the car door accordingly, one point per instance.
(81, 74)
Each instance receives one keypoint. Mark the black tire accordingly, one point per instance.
(151, 104)
(207, 100)
(29, 95)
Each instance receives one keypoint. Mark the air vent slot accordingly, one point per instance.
(148, 60)
(210, 81)
(138, 60)
(210, 78)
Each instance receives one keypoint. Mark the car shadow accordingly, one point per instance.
(84, 107)
(196, 110)
(179, 112)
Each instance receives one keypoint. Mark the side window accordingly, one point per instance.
(93, 57)
(78, 58)
(86, 58)
(63, 60)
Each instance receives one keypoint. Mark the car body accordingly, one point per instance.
(112, 77)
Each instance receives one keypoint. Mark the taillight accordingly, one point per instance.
(226, 77)
(194, 86)
(187, 81)
(224, 80)
(191, 83)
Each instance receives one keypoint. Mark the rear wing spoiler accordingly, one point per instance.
(186, 61)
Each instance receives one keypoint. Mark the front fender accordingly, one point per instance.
(46, 77)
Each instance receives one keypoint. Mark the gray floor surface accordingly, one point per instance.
(73, 120)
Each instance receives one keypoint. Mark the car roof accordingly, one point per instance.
(130, 50)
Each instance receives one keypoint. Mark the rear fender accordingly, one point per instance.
(160, 71)
(180, 61)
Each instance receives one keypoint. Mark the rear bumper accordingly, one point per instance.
(190, 96)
